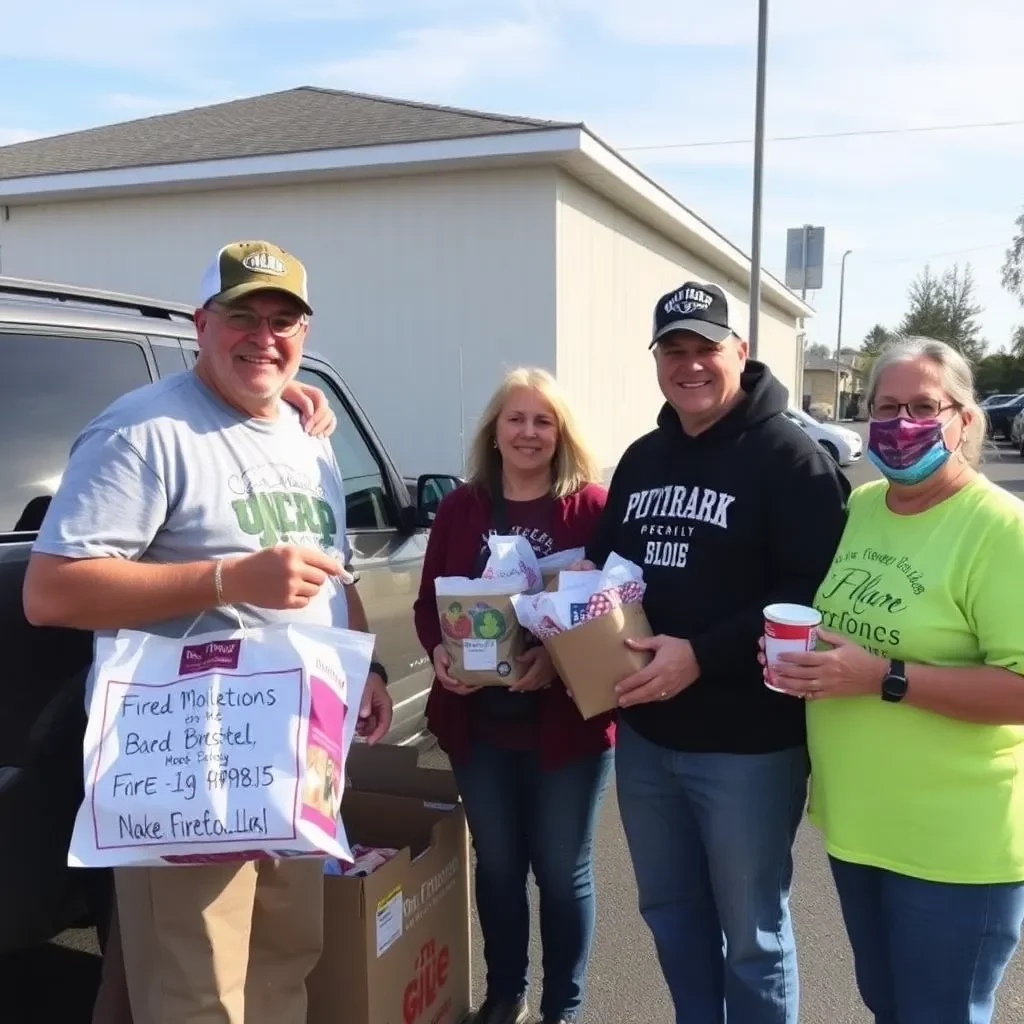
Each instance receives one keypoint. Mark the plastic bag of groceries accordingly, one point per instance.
(478, 624)
(584, 625)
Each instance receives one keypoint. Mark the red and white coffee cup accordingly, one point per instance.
(788, 627)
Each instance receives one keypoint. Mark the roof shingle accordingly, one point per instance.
(298, 120)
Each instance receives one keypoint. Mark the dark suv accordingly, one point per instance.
(66, 354)
(1000, 417)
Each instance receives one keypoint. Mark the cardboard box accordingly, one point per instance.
(397, 943)
(592, 658)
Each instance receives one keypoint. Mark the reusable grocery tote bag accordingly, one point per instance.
(224, 746)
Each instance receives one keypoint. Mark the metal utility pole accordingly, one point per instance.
(802, 347)
(755, 243)
(839, 329)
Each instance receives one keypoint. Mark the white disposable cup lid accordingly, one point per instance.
(793, 614)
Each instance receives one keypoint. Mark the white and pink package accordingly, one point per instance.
(513, 560)
(580, 597)
(366, 860)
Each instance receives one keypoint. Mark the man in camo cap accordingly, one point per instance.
(153, 525)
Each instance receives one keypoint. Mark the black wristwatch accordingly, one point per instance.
(379, 669)
(894, 685)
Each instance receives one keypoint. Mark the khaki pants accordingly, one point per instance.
(112, 1005)
(221, 943)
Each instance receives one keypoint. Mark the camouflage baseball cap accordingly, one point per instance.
(244, 267)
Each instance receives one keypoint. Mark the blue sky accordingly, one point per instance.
(639, 72)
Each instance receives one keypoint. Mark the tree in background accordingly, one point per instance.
(877, 340)
(819, 350)
(1013, 281)
(1017, 342)
(999, 374)
(946, 308)
(1013, 268)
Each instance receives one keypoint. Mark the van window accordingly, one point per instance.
(366, 501)
(50, 389)
(169, 359)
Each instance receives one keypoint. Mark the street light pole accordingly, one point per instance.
(755, 242)
(839, 329)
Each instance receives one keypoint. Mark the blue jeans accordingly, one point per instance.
(711, 839)
(521, 817)
(927, 952)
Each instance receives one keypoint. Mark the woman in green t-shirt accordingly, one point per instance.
(916, 713)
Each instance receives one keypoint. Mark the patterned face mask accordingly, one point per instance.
(908, 451)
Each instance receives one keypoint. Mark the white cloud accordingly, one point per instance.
(184, 42)
(430, 63)
(648, 71)
(147, 39)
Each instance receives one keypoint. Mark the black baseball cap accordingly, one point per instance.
(696, 307)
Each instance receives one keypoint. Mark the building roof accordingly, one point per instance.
(311, 134)
(305, 119)
(828, 364)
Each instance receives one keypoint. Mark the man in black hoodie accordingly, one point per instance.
(728, 507)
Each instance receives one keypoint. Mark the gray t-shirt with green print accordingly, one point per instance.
(171, 473)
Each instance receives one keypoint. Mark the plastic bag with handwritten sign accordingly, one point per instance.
(224, 746)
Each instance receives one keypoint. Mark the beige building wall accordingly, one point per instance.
(611, 269)
(425, 287)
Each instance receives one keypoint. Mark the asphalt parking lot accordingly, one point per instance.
(56, 982)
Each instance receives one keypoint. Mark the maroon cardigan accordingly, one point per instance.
(463, 518)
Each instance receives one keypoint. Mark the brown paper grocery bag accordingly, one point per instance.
(483, 638)
(592, 658)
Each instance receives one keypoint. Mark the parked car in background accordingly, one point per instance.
(842, 443)
(1000, 417)
(67, 353)
(996, 400)
(1017, 432)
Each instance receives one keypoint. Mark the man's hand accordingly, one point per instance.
(317, 416)
(539, 674)
(284, 576)
(672, 670)
(442, 669)
(375, 710)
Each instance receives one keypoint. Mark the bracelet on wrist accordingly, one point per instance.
(378, 669)
(218, 582)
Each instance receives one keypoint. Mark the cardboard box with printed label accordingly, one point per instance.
(397, 942)
(592, 658)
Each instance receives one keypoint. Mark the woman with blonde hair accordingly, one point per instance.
(530, 770)
(916, 715)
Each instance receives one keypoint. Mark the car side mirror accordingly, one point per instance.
(430, 489)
